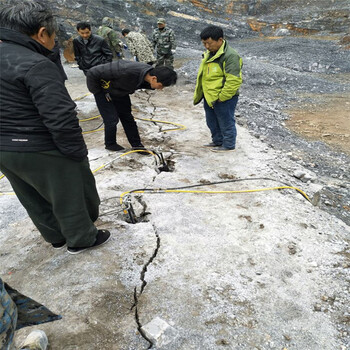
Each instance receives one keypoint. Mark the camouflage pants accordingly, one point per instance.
(165, 60)
(8, 318)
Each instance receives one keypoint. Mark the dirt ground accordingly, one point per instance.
(327, 121)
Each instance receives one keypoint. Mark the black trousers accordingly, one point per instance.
(118, 109)
(58, 193)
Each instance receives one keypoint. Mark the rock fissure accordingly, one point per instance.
(143, 285)
(153, 114)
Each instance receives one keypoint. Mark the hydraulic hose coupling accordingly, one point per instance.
(128, 209)
(164, 166)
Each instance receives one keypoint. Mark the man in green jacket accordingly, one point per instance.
(218, 81)
(111, 37)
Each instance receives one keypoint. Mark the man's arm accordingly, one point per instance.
(172, 39)
(233, 77)
(77, 53)
(93, 79)
(56, 109)
(154, 39)
(147, 42)
(106, 51)
(115, 42)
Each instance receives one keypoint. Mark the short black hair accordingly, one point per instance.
(213, 32)
(28, 17)
(83, 25)
(165, 75)
(125, 31)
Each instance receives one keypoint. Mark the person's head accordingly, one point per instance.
(160, 77)
(161, 23)
(125, 32)
(212, 38)
(33, 19)
(84, 30)
(107, 21)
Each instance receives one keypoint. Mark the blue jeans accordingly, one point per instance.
(221, 122)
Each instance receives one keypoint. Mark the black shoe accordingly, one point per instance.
(115, 147)
(211, 144)
(102, 237)
(142, 150)
(59, 245)
(222, 149)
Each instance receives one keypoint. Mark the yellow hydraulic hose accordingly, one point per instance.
(89, 132)
(213, 192)
(122, 155)
(81, 97)
(179, 126)
(87, 119)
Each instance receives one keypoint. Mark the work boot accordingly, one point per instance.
(59, 245)
(141, 148)
(115, 147)
(211, 144)
(222, 149)
(36, 340)
(102, 237)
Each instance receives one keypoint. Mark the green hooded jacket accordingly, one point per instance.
(219, 76)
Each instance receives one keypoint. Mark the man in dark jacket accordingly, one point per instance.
(112, 83)
(90, 50)
(42, 150)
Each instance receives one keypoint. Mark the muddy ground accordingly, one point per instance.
(241, 271)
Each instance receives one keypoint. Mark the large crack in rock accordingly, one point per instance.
(143, 286)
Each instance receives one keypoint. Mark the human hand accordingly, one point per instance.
(108, 97)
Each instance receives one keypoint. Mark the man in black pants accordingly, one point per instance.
(42, 150)
(112, 83)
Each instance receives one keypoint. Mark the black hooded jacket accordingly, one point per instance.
(118, 78)
(36, 111)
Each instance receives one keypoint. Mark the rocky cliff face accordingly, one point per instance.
(240, 18)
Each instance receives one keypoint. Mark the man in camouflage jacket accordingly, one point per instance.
(111, 37)
(164, 42)
(139, 46)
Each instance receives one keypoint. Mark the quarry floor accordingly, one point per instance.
(250, 270)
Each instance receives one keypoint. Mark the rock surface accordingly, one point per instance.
(264, 270)
(242, 271)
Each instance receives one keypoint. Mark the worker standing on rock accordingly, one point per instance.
(163, 39)
(42, 149)
(139, 46)
(218, 81)
(90, 50)
(112, 83)
(111, 37)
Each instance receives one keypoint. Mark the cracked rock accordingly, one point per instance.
(159, 332)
